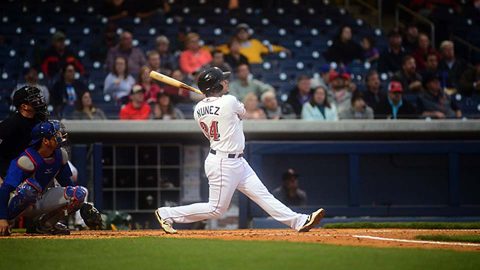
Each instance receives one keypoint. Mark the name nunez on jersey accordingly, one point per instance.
(208, 110)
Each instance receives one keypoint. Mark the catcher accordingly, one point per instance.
(31, 176)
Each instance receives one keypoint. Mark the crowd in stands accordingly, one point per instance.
(421, 80)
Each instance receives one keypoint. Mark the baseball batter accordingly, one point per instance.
(219, 116)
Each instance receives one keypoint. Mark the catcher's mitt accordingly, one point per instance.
(91, 216)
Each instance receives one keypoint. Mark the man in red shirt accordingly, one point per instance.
(137, 108)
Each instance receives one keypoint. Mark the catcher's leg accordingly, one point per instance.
(25, 196)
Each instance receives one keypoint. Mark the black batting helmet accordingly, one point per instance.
(209, 80)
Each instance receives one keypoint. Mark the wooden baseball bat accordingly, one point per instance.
(171, 81)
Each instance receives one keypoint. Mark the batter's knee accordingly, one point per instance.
(217, 212)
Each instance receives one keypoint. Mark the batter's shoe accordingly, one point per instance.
(166, 227)
(313, 220)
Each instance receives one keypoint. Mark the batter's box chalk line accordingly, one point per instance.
(416, 241)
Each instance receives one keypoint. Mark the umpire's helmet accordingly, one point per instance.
(210, 78)
(47, 129)
(32, 96)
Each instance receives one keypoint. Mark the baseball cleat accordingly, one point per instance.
(313, 220)
(167, 227)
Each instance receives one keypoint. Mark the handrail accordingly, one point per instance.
(377, 9)
(467, 44)
(417, 16)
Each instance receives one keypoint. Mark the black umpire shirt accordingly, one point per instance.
(15, 135)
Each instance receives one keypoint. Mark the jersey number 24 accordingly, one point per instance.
(212, 131)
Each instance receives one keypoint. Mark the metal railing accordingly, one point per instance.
(471, 48)
(417, 16)
(374, 9)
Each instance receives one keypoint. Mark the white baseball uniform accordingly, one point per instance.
(226, 169)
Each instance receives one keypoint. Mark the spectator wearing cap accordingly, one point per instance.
(274, 110)
(57, 56)
(16, 129)
(66, 91)
(339, 91)
(434, 103)
(234, 57)
(394, 106)
(318, 107)
(358, 109)
(408, 76)
(250, 47)
(374, 93)
(451, 68)
(135, 56)
(289, 193)
(244, 84)
(422, 51)
(300, 95)
(119, 82)
(164, 109)
(31, 79)
(390, 60)
(194, 57)
(470, 81)
(344, 50)
(137, 108)
(168, 61)
(323, 79)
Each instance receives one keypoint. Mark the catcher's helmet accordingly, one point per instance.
(210, 78)
(33, 96)
(47, 129)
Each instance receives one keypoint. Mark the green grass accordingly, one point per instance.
(471, 238)
(404, 225)
(165, 253)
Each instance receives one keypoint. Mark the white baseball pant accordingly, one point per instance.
(224, 176)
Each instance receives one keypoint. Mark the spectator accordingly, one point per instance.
(318, 108)
(408, 76)
(394, 106)
(193, 58)
(66, 90)
(275, 111)
(300, 95)
(178, 94)
(219, 61)
(234, 58)
(114, 9)
(470, 81)
(85, 110)
(339, 92)
(344, 50)
(431, 65)
(101, 46)
(119, 82)
(289, 193)
(154, 62)
(31, 79)
(423, 50)
(358, 109)
(118, 9)
(451, 68)
(151, 89)
(390, 60)
(135, 57)
(434, 103)
(250, 47)
(244, 84)
(321, 80)
(57, 56)
(370, 53)
(374, 94)
(252, 109)
(137, 108)
(165, 110)
(168, 61)
(410, 42)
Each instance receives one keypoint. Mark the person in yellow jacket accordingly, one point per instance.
(250, 47)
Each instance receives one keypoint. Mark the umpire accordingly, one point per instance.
(15, 131)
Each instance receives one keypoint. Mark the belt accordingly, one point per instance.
(215, 152)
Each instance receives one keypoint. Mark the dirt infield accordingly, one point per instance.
(348, 237)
